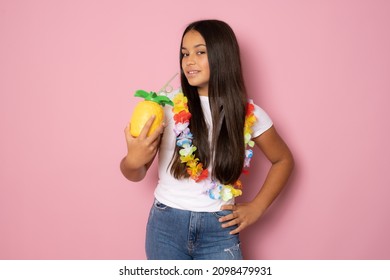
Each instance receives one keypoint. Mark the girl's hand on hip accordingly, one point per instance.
(242, 215)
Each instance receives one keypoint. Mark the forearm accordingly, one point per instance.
(141, 152)
(245, 214)
(132, 173)
(277, 152)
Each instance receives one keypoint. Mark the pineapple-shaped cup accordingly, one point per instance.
(152, 105)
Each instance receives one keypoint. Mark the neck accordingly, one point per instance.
(203, 91)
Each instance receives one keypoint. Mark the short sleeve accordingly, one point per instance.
(263, 122)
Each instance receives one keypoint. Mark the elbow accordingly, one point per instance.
(135, 178)
(290, 162)
(133, 175)
(287, 162)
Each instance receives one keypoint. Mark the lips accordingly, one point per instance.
(191, 73)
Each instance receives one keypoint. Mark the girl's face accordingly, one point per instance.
(195, 63)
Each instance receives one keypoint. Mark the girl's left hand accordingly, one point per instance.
(243, 215)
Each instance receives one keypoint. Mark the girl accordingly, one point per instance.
(206, 143)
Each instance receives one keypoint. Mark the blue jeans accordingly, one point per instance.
(174, 234)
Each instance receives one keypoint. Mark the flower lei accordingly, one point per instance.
(187, 150)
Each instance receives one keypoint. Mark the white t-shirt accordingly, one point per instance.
(186, 194)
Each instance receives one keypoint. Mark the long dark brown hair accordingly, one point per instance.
(227, 97)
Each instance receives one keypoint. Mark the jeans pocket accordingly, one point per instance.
(220, 214)
(160, 206)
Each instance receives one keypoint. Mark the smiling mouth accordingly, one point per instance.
(192, 72)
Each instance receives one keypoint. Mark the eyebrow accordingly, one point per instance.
(196, 46)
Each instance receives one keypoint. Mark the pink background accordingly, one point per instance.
(68, 70)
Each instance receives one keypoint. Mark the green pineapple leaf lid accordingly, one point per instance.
(152, 96)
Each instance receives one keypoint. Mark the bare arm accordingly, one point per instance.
(277, 152)
(141, 152)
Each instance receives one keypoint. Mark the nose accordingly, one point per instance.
(190, 60)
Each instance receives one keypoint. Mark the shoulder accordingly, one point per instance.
(263, 120)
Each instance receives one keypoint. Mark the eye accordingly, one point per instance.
(201, 52)
(184, 54)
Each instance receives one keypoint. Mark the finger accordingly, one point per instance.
(155, 144)
(153, 147)
(127, 132)
(231, 207)
(156, 135)
(147, 126)
(232, 222)
(228, 207)
(229, 217)
(238, 229)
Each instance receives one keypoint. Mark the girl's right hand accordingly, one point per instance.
(141, 150)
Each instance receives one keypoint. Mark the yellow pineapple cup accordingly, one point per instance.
(144, 110)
